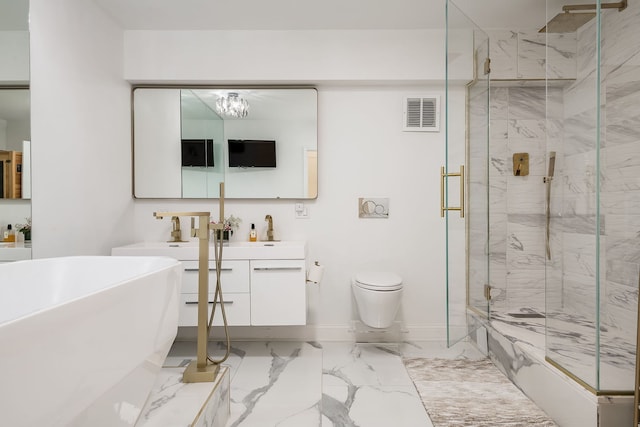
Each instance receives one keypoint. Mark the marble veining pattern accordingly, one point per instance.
(503, 48)
(569, 339)
(325, 384)
(517, 348)
(174, 403)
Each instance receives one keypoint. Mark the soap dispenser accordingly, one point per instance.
(253, 234)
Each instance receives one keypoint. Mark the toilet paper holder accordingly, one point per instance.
(314, 275)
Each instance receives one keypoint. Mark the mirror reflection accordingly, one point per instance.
(15, 143)
(262, 142)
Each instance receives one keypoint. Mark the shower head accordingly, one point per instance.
(552, 163)
(567, 22)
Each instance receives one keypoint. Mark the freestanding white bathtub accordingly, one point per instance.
(82, 338)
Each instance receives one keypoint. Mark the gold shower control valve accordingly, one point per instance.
(521, 164)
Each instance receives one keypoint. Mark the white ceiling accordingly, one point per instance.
(274, 14)
(306, 14)
(318, 15)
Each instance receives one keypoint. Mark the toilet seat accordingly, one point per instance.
(379, 281)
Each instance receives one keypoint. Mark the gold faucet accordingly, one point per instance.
(176, 233)
(269, 228)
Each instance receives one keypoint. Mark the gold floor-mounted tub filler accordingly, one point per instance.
(204, 368)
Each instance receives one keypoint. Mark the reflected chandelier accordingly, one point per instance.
(232, 105)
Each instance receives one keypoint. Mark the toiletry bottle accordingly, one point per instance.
(9, 234)
(253, 234)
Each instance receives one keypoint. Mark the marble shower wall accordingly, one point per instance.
(519, 106)
(523, 55)
(517, 203)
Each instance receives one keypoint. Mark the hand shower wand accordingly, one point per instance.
(547, 180)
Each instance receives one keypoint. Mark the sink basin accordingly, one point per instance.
(234, 250)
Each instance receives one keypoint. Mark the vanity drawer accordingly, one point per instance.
(237, 308)
(278, 292)
(234, 276)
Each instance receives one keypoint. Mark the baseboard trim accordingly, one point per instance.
(310, 333)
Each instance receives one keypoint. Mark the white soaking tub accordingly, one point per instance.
(82, 338)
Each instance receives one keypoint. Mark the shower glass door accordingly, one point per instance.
(593, 265)
(466, 168)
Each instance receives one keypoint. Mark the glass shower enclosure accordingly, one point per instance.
(559, 244)
(593, 264)
(466, 215)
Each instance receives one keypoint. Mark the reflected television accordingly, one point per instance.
(252, 153)
(197, 152)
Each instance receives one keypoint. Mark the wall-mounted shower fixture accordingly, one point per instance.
(547, 180)
(552, 166)
(569, 20)
(521, 164)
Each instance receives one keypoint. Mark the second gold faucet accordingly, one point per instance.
(269, 220)
(176, 232)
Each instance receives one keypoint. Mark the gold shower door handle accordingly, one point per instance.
(444, 175)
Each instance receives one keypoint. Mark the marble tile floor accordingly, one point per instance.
(175, 403)
(307, 384)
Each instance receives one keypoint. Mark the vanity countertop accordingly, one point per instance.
(233, 250)
(14, 251)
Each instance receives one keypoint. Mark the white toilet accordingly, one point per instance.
(378, 297)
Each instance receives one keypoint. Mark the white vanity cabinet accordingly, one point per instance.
(10, 252)
(234, 277)
(278, 293)
(263, 283)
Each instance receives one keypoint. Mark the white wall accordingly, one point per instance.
(80, 131)
(362, 152)
(291, 56)
(81, 148)
(362, 77)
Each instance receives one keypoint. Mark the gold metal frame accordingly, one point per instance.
(486, 70)
(636, 390)
(590, 388)
(195, 86)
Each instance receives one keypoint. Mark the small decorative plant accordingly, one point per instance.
(229, 224)
(25, 228)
